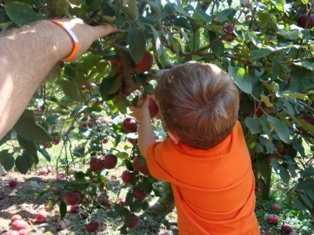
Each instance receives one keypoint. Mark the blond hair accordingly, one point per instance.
(199, 103)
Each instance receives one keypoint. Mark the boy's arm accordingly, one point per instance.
(145, 131)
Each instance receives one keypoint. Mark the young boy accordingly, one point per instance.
(205, 158)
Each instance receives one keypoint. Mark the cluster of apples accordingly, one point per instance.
(107, 161)
(274, 219)
(20, 227)
(144, 65)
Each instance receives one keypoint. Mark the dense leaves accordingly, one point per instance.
(261, 44)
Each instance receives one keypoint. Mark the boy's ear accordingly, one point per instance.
(173, 137)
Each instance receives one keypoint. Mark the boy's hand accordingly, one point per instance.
(142, 111)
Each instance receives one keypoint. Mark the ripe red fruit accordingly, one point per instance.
(72, 198)
(273, 219)
(12, 182)
(293, 233)
(129, 124)
(49, 169)
(24, 232)
(276, 207)
(92, 226)
(139, 194)
(122, 202)
(12, 232)
(74, 208)
(18, 225)
(287, 228)
(302, 20)
(152, 106)
(145, 64)
(141, 167)
(127, 176)
(110, 161)
(43, 171)
(96, 164)
(131, 220)
(41, 216)
(56, 141)
(16, 217)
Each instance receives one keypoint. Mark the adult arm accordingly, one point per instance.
(29, 53)
(146, 135)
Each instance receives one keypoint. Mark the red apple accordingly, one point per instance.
(145, 64)
(24, 232)
(129, 124)
(127, 176)
(43, 171)
(110, 161)
(72, 198)
(92, 226)
(141, 167)
(12, 182)
(12, 232)
(74, 208)
(16, 217)
(131, 220)
(139, 194)
(303, 18)
(18, 225)
(56, 141)
(276, 207)
(96, 164)
(49, 169)
(41, 216)
(287, 228)
(152, 106)
(273, 219)
(122, 202)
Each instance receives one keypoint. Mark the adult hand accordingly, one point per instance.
(87, 34)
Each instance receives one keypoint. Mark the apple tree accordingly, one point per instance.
(266, 46)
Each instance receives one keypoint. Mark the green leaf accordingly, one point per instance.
(132, 9)
(110, 86)
(259, 53)
(202, 14)
(29, 147)
(305, 64)
(28, 129)
(6, 160)
(180, 10)
(122, 105)
(45, 154)
(290, 35)
(20, 13)
(284, 175)
(309, 203)
(254, 125)
(225, 15)
(137, 44)
(306, 184)
(63, 209)
(280, 5)
(301, 79)
(158, 43)
(280, 128)
(241, 78)
(72, 90)
(22, 164)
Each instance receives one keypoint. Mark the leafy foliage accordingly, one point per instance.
(261, 44)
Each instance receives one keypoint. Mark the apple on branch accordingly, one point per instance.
(152, 106)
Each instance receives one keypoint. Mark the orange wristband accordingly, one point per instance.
(73, 38)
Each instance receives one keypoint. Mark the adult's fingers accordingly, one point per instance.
(103, 30)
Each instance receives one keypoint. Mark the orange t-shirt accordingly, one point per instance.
(214, 189)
